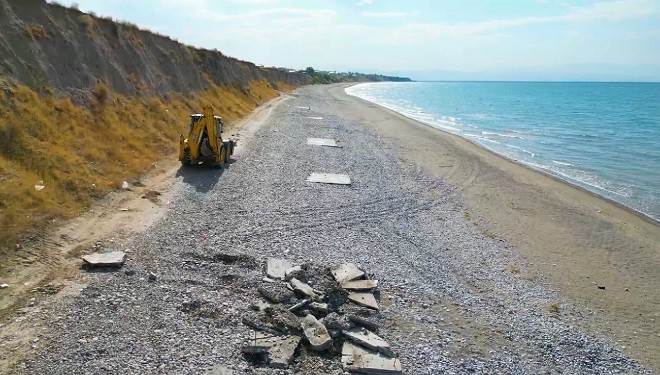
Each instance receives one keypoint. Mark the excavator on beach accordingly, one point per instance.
(204, 143)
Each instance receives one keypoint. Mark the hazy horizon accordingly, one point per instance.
(542, 40)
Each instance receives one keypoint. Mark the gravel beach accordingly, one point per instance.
(453, 299)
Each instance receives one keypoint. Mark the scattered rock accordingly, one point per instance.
(129, 272)
(276, 268)
(300, 305)
(152, 277)
(364, 299)
(360, 285)
(125, 185)
(346, 272)
(260, 306)
(109, 259)
(600, 287)
(4, 286)
(258, 321)
(316, 333)
(303, 288)
(276, 293)
(368, 340)
(336, 322)
(39, 186)
(359, 360)
(319, 307)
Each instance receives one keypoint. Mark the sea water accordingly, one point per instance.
(604, 137)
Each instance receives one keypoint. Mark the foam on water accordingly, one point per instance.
(604, 137)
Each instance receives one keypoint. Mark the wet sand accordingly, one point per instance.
(572, 239)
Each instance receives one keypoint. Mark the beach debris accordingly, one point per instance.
(360, 285)
(315, 117)
(329, 178)
(275, 292)
(303, 288)
(4, 286)
(316, 333)
(108, 259)
(276, 268)
(39, 186)
(346, 272)
(316, 304)
(364, 299)
(322, 142)
(359, 360)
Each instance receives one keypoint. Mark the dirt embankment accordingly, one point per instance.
(45, 44)
(87, 102)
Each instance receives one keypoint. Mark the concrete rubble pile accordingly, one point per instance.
(306, 309)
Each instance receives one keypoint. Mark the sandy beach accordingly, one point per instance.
(483, 265)
(572, 238)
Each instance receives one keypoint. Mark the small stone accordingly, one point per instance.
(4, 286)
(152, 276)
(335, 321)
(129, 272)
(300, 305)
(125, 185)
(220, 370)
(364, 299)
(319, 307)
(316, 333)
(600, 287)
(346, 272)
(303, 288)
(260, 306)
(276, 268)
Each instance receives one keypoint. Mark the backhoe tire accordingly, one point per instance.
(223, 155)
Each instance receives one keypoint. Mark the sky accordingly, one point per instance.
(544, 40)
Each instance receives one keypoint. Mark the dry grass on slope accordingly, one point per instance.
(82, 153)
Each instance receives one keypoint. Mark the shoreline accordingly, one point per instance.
(570, 237)
(640, 214)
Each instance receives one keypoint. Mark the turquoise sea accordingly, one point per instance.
(604, 137)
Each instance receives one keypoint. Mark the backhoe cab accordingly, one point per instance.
(204, 142)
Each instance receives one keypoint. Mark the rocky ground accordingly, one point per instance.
(453, 299)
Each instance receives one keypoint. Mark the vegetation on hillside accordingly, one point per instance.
(335, 77)
(80, 153)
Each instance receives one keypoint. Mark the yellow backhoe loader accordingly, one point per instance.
(204, 142)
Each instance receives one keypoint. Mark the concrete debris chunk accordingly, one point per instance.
(319, 307)
(303, 288)
(109, 259)
(364, 299)
(334, 321)
(292, 272)
(258, 321)
(322, 142)
(363, 322)
(346, 272)
(284, 320)
(260, 306)
(359, 360)
(276, 292)
(276, 268)
(280, 355)
(360, 285)
(368, 340)
(258, 343)
(316, 333)
(329, 178)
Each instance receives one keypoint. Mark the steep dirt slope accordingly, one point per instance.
(45, 44)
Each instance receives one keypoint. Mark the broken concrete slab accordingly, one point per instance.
(359, 360)
(280, 355)
(276, 268)
(364, 299)
(322, 142)
(360, 285)
(258, 320)
(319, 307)
(335, 321)
(284, 320)
(346, 272)
(368, 340)
(275, 292)
(259, 343)
(363, 322)
(316, 333)
(329, 178)
(109, 259)
(303, 288)
(292, 272)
